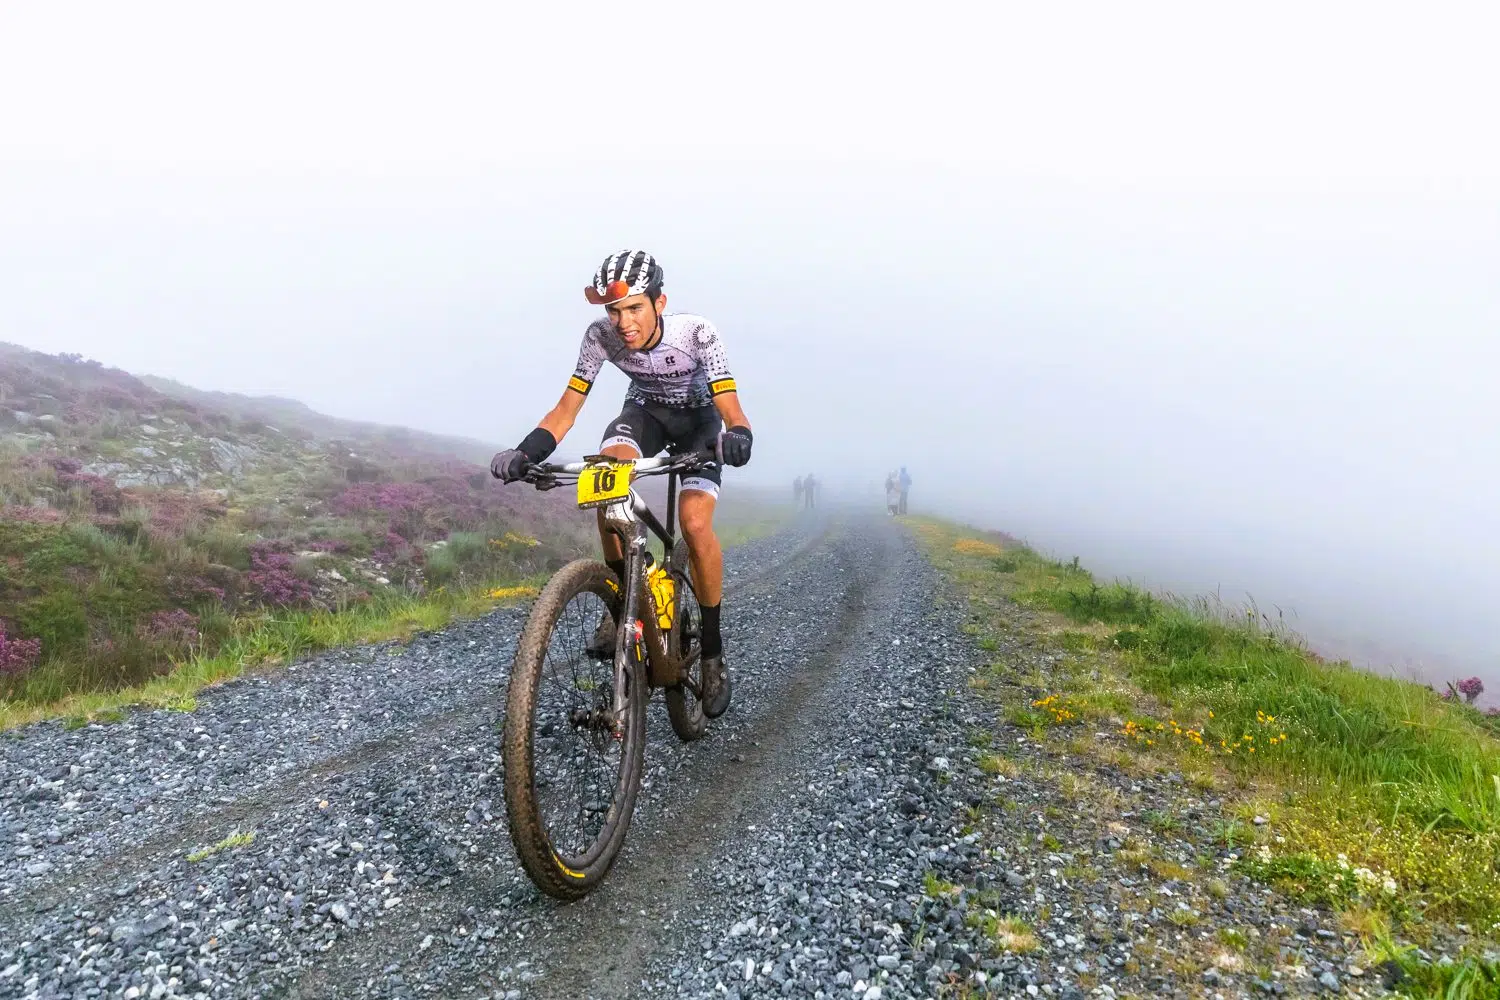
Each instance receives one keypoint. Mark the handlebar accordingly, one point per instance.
(546, 476)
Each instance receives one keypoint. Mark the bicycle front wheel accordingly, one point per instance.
(572, 770)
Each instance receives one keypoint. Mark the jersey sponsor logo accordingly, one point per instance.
(722, 385)
(580, 385)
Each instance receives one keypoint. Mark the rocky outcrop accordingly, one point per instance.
(232, 459)
(171, 472)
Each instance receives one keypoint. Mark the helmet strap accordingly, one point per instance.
(660, 330)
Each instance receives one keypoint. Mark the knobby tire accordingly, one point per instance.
(566, 878)
(684, 708)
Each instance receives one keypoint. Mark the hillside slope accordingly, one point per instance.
(142, 521)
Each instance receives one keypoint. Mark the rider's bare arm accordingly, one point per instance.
(729, 407)
(560, 419)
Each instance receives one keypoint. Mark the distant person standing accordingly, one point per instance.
(797, 492)
(892, 494)
(905, 481)
(810, 490)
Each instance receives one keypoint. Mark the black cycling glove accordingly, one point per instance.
(734, 445)
(512, 463)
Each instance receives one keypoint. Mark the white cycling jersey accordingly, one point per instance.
(686, 368)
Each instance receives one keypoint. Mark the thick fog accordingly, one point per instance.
(1208, 303)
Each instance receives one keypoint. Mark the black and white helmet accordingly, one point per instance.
(623, 274)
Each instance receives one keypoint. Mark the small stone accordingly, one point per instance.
(340, 912)
(888, 961)
(1329, 982)
(873, 993)
(39, 868)
(1260, 821)
(1356, 971)
(426, 943)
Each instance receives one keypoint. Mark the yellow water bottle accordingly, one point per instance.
(661, 592)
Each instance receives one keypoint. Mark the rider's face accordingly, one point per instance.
(635, 318)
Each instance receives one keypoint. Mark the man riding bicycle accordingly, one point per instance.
(681, 397)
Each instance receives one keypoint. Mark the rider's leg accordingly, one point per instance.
(632, 434)
(614, 554)
(696, 509)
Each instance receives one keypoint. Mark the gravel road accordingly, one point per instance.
(337, 829)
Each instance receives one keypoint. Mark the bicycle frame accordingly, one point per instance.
(631, 520)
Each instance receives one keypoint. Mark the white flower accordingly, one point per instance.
(1389, 886)
(1263, 853)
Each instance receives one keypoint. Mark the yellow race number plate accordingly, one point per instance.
(604, 484)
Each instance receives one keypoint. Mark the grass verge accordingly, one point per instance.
(266, 640)
(1383, 796)
(271, 638)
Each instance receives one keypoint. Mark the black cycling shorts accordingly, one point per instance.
(650, 427)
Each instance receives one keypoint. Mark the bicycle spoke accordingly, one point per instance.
(577, 760)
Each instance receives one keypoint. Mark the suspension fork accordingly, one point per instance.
(635, 568)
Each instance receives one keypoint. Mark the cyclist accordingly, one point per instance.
(681, 397)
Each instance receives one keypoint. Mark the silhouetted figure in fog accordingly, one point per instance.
(905, 480)
(892, 493)
(810, 490)
(797, 492)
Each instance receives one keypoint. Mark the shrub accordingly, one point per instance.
(175, 628)
(18, 656)
(58, 619)
(441, 566)
(273, 578)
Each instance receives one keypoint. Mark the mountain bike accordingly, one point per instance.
(575, 722)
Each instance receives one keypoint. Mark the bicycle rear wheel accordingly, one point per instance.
(571, 775)
(685, 700)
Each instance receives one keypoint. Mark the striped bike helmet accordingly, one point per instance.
(623, 274)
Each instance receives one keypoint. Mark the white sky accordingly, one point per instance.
(1189, 92)
(1213, 292)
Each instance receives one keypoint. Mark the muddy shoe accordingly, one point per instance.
(602, 645)
(715, 686)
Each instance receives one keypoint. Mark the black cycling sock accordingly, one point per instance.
(713, 643)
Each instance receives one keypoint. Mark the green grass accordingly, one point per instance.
(267, 639)
(227, 844)
(1433, 760)
(1380, 769)
(464, 574)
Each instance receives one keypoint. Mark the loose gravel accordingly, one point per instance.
(337, 829)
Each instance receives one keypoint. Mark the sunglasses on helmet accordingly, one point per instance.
(613, 292)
